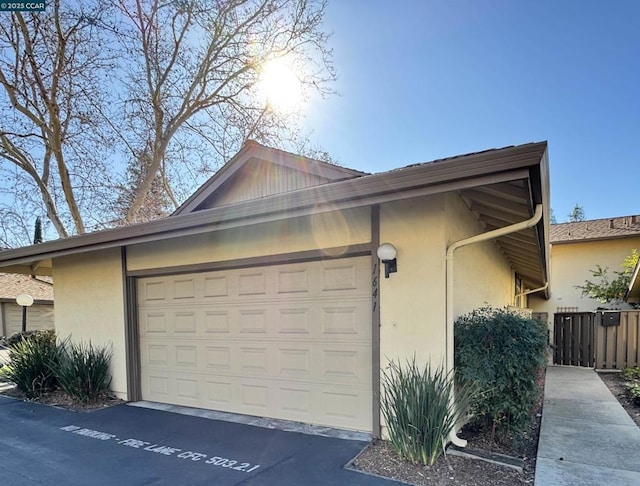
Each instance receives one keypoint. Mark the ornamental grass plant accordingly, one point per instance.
(417, 409)
(83, 370)
(32, 363)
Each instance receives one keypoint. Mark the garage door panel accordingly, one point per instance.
(313, 364)
(281, 320)
(252, 321)
(335, 406)
(215, 286)
(289, 341)
(339, 278)
(153, 322)
(38, 317)
(293, 281)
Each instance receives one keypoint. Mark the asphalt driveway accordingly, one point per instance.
(137, 446)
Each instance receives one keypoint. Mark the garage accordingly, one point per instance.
(38, 317)
(290, 341)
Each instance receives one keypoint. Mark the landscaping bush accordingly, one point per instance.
(417, 411)
(32, 361)
(501, 354)
(83, 370)
(631, 373)
(632, 382)
(20, 336)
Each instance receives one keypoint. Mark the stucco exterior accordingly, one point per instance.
(481, 273)
(570, 265)
(412, 312)
(324, 230)
(412, 301)
(90, 306)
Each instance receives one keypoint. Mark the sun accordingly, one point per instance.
(280, 86)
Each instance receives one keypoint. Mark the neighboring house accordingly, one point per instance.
(576, 249)
(39, 315)
(263, 295)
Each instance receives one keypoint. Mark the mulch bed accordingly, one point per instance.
(380, 459)
(615, 383)
(58, 398)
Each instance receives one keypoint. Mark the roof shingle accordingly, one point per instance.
(12, 285)
(595, 229)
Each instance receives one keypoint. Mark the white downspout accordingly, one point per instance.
(489, 235)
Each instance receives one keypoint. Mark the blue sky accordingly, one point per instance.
(421, 80)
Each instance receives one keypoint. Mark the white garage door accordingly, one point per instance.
(38, 317)
(288, 341)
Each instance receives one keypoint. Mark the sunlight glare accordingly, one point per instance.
(280, 86)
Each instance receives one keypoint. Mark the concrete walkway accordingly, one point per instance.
(586, 437)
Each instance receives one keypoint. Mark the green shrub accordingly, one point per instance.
(632, 378)
(634, 391)
(39, 334)
(631, 373)
(32, 360)
(417, 411)
(501, 354)
(83, 370)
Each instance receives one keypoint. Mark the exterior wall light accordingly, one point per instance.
(24, 301)
(387, 254)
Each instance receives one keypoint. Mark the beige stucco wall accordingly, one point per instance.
(90, 301)
(482, 275)
(90, 305)
(412, 301)
(323, 230)
(570, 265)
(412, 310)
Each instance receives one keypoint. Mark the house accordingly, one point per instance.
(576, 249)
(263, 294)
(39, 315)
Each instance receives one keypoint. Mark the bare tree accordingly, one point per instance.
(50, 137)
(192, 79)
(111, 111)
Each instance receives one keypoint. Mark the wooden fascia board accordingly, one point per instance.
(634, 285)
(233, 216)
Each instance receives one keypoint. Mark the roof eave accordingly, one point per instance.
(633, 292)
(467, 171)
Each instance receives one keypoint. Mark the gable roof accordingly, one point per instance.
(500, 186)
(595, 229)
(246, 163)
(12, 285)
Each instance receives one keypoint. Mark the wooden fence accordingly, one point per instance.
(597, 339)
(574, 339)
(618, 346)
